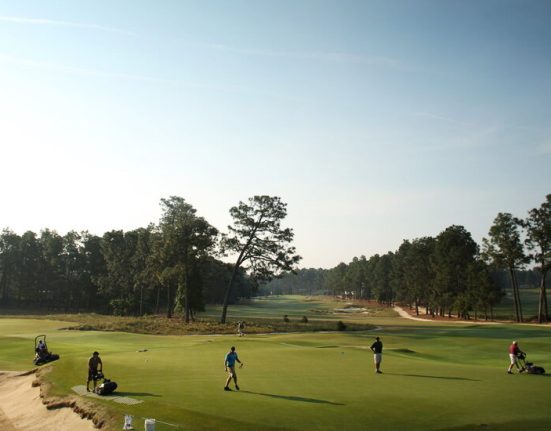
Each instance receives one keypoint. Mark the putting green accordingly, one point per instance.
(436, 376)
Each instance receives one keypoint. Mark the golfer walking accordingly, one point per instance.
(229, 364)
(240, 328)
(377, 348)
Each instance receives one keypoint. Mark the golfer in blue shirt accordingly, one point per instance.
(229, 363)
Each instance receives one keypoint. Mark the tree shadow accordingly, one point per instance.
(433, 377)
(294, 398)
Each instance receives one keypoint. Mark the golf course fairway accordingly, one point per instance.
(436, 376)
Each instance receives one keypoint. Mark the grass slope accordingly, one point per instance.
(436, 376)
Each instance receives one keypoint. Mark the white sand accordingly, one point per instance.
(403, 313)
(21, 408)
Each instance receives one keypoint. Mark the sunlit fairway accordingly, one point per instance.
(436, 376)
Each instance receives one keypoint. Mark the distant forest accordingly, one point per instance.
(117, 273)
(175, 266)
(448, 274)
(319, 281)
(171, 267)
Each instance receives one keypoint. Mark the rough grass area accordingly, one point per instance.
(160, 325)
(261, 316)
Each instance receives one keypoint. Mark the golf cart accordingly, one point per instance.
(42, 354)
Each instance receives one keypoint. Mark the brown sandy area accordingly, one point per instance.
(406, 315)
(22, 409)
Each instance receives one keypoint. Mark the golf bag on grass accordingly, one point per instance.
(529, 367)
(106, 387)
(534, 369)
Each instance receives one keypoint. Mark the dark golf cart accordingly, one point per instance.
(42, 354)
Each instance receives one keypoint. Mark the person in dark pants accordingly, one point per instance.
(95, 366)
(377, 348)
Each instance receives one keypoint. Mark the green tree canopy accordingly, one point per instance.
(261, 245)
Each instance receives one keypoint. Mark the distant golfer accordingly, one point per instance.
(240, 328)
(514, 353)
(377, 348)
(229, 364)
(95, 366)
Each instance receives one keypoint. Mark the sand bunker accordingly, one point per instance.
(403, 313)
(21, 408)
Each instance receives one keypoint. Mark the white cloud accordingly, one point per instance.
(78, 70)
(441, 118)
(50, 22)
(327, 56)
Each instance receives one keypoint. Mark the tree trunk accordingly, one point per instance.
(227, 294)
(186, 297)
(4, 286)
(542, 309)
(168, 303)
(141, 299)
(158, 301)
(516, 296)
(545, 307)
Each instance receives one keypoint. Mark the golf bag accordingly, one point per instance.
(529, 367)
(106, 387)
(534, 369)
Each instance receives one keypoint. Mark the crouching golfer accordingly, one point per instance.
(95, 366)
(514, 353)
(377, 348)
(229, 363)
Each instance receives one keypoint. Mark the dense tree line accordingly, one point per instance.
(169, 267)
(447, 274)
(121, 272)
(442, 275)
(506, 250)
(305, 281)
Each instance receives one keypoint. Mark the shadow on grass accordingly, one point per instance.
(539, 375)
(532, 425)
(294, 398)
(433, 377)
(136, 394)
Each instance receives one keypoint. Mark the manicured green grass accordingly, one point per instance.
(437, 376)
(529, 299)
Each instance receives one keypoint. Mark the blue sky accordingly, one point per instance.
(375, 121)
